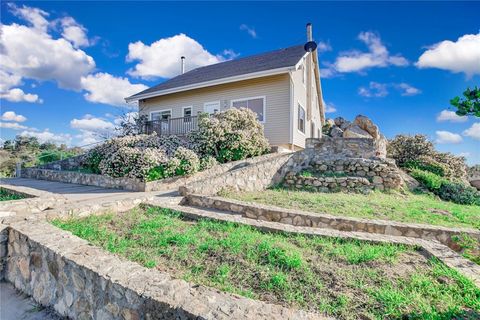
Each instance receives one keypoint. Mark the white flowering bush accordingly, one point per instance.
(131, 162)
(233, 134)
(207, 162)
(230, 135)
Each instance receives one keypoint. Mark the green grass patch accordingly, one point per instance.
(409, 207)
(6, 195)
(342, 278)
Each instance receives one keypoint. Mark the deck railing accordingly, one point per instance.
(171, 126)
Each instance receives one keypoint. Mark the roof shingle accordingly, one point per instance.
(286, 57)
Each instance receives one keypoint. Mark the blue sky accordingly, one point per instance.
(65, 66)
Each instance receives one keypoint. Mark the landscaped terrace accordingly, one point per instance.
(343, 278)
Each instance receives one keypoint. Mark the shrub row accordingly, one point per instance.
(233, 134)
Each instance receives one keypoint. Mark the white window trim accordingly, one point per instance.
(212, 102)
(183, 111)
(250, 98)
(155, 111)
(304, 120)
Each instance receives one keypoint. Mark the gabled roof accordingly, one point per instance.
(273, 60)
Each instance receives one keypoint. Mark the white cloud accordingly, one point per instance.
(250, 30)
(47, 136)
(90, 123)
(375, 89)
(92, 129)
(447, 137)
(324, 46)
(107, 89)
(18, 95)
(329, 107)
(473, 131)
(12, 116)
(31, 52)
(162, 57)
(74, 32)
(35, 16)
(407, 90)
(379, 90)
(12, 125)
(451, 116)
(462, 55)
(377, 56)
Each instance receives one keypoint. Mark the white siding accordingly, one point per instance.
(276, 90)
(310, 104)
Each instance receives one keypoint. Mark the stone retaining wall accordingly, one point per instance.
(3, 250)
(135, 184)
(81, 281)
(327, 184)
(362, 174)
(307, 219)
(35, 201)
(256, 176)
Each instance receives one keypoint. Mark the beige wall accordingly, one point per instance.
(275, 89)
(282, 95)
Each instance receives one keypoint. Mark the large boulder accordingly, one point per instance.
(341, 123)
(354, 131)
(366, 124)
(336, 132)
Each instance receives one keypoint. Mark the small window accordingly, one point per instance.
(257, 105)
(187, 114)
(319, 133)
(301, 118)
(161, 115)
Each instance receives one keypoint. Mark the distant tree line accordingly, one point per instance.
(31, 152)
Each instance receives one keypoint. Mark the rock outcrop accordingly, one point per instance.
(361, 127)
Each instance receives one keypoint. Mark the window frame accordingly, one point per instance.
(159, 111)
(264, 98)
(189, 118)
(299, 105)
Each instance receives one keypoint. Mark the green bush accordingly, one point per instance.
(459, 193)
(425, 166)
(449, 191)
(410, 150)
(428, 179)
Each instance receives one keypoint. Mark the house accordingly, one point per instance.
(282, 87)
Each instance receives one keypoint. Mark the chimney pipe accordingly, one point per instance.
(309, 32)
(183, 64)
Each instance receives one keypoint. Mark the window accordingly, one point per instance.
(312, 130)
(187, 114)
(161, 115)
(301, 119)
(256, 104)
(319, 133)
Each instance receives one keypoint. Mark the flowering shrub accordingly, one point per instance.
(233, 134)
(417, 152)
(230, 135)
(131, 162)
(189, 161)
(207, 162)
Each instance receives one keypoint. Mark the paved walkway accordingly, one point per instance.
(72, 192)
(17, 306)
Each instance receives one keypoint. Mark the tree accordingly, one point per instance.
(469, 105)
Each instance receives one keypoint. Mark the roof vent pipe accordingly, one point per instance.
(311, 45)
(309, 32)
(183, 64)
